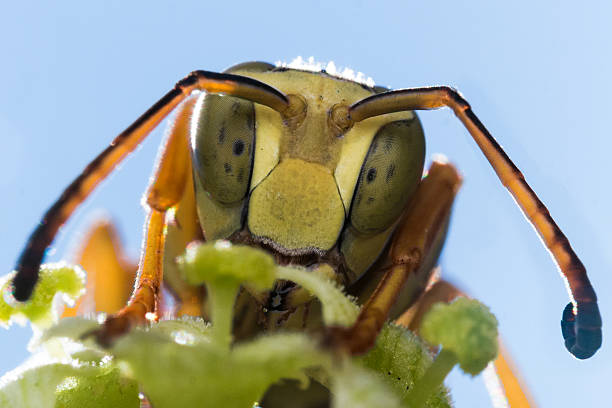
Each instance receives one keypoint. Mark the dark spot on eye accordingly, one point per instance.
(227, 167)
(388, 145)
(370, 200)
(371, 175)
(358, 199)
(238, 147)
(221, 135)
(398, 378)
(390, 172)
(389, 372)
(240, 177)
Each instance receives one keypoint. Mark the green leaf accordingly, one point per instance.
(35, 387)
(200, 374)
(338, 308)
(356, 387)
(68, 385)
(54, 279)
(222, 263)
(465, 327)
(97, 388)
(400, 358)
(224, 267)
(71, 328)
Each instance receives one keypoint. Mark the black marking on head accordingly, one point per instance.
(370, 200)
(221, 135)
(235, 107)
(227, 167)
(388, 145)
(238, 147)
(390, 172)
(371, 176)
(240, 176)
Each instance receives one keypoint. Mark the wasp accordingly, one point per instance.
(315, 169)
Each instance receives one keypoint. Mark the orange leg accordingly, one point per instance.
(423, 221)
(581, 324)
(514, 389)
(183, 228)
(109, 273)
(164, 192)
(441, 291)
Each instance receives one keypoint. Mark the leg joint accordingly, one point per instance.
(401, 256)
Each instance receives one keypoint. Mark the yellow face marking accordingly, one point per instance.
(267, 144)
(312, 141)
(304, 178)
(297, 207)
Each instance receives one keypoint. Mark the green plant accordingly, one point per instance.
(189, 362)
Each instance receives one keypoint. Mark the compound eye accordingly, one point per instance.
(389, 176)
(224, 142)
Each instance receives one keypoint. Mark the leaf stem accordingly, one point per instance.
(433, 378)
(222, 298)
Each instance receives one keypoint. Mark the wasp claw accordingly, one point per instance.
(112, 329)
(347, 339)
(335, 338)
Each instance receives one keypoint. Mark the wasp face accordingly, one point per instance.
(300, 189)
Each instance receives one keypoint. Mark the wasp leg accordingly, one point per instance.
(514, 389)
(109, 273)
(581, 322)
(440, 291)
(183, 228)
(96, 171)
(164, 192)
(422, 223)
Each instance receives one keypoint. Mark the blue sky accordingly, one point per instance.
(75, 74)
